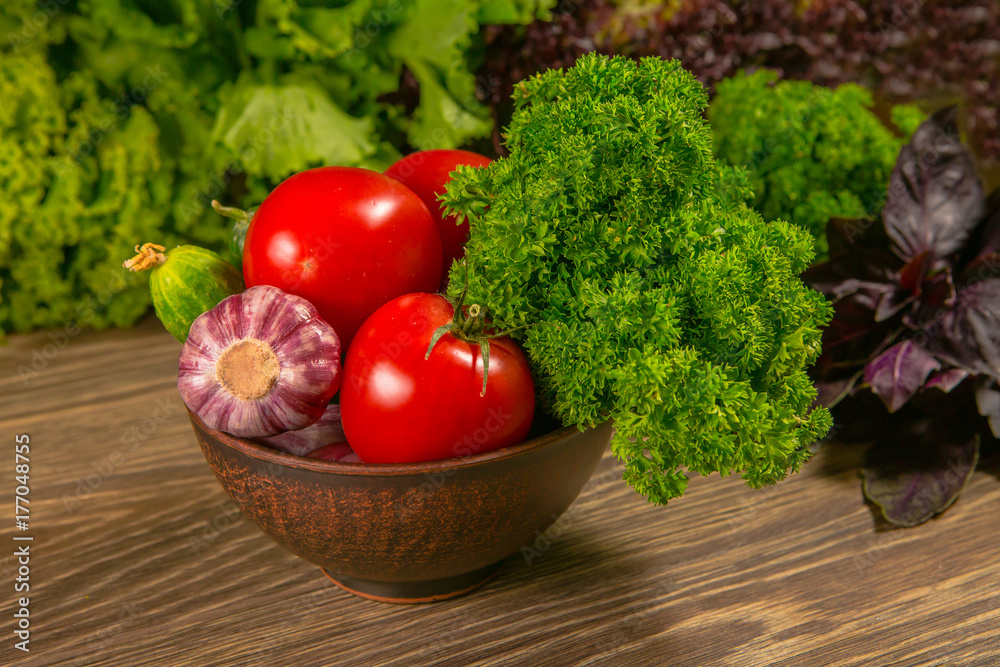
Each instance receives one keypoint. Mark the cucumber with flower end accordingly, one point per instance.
(185, 282)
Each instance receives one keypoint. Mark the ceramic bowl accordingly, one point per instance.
(414, 532)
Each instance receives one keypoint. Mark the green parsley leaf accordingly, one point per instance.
(649, 294)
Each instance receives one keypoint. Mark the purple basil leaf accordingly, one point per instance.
(911, 480)
(989, 242)
(912, 275)
(935, 198)
(831, 392)
(845, 236)
(946, 380)
(986, 236)
(863, 269)
(851, 340)
(853, 332)
(842, 235)
(968, 334)
(938, 296)
(983, 267)
(910, 280)
(988, 403)
(896, 374)
(939, 290)
(891, 303)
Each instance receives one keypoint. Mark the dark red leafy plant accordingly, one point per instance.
(903, 51)
(917, 324)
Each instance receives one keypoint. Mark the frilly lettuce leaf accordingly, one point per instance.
(441, 121)
(121, 120)
(515, 11)
(318, 32)
(432, 45)
(277, 130)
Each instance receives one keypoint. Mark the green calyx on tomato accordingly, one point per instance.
(399, 406)
(469, 326)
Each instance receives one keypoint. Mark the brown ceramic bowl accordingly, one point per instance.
(414, 532)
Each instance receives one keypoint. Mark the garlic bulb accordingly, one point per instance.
(326, 430)
(260, 363)
(337, 451)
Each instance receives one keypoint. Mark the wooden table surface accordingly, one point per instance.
(139, 557)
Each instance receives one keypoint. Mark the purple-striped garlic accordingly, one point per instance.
(325, 431)
(337, 451)
(260, 363)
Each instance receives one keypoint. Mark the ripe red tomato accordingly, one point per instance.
(348, 240)
(426, 173)
(398, 407)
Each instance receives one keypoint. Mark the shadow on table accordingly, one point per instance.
(989, 459)
(572, 562)
(616, 605)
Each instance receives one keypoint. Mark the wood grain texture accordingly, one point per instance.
(140, 558)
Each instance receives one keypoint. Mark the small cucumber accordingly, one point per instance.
(185, 282)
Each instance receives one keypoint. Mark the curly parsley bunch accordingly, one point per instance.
(812, 153)
(646, 296)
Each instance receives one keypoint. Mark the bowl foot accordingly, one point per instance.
(416, 592)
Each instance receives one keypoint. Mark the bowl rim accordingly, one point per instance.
(276, 456)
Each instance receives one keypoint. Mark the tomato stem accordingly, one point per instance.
(466, 326)
(484, 348)
(472, 327)
(231, 212)
(469, 325)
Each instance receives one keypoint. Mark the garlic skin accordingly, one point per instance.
(326, 430)
(260, 363)
(337, 451)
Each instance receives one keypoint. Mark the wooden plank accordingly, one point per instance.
(140, 558)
